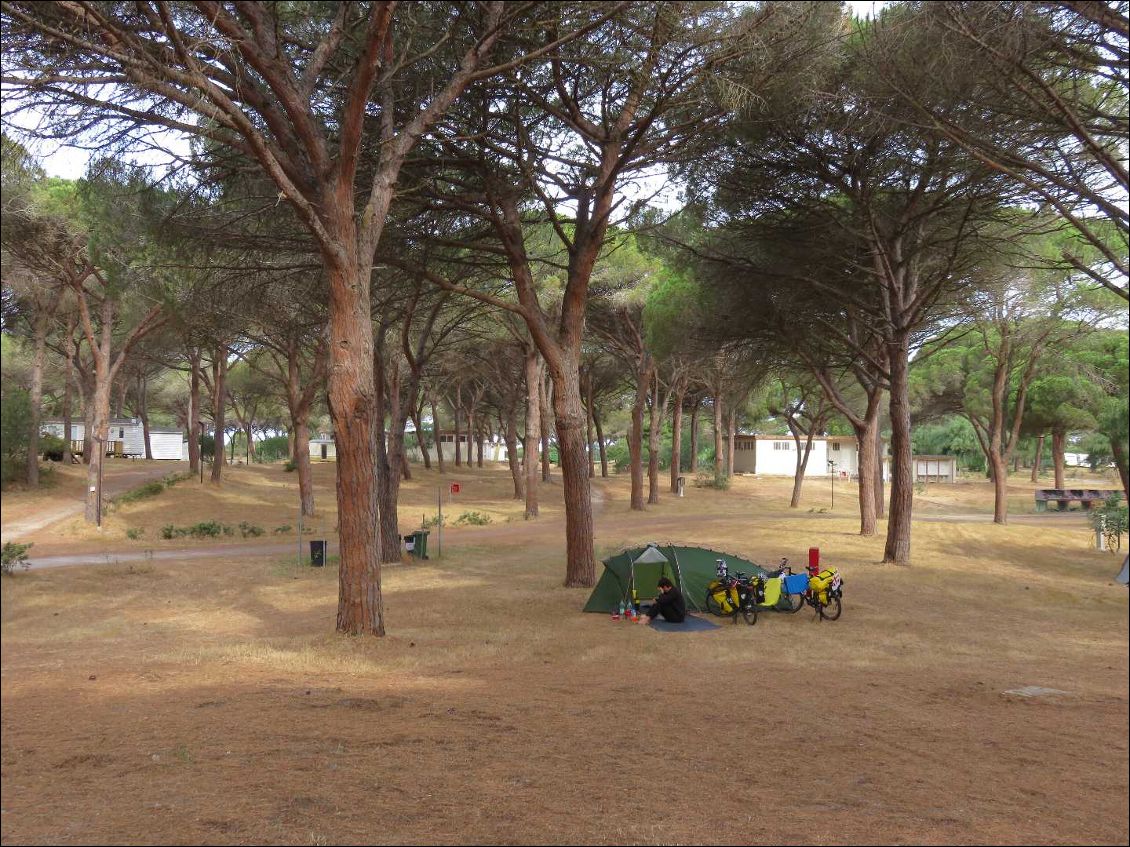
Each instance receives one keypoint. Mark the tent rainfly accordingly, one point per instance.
(690, 568)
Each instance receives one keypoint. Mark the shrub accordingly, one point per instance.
(135, 533)
(1112, 520)
(249, 530)
(150, 489)
(14, 556)
(169, 531)
(290, 466)
(707, 479)
(472, 519)
(432, 521)
(172, 479)
(51, 447)
(279, 530)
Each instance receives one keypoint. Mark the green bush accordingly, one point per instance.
(290, 466)
(14, 556)
(51, 447)
(279, 530)
(1112, 520)
(433, 521)
(172, 479)
(248, 530)
(150, 489)
(472, 519)
(272, 449)
(135, 533)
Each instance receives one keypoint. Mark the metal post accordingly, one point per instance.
(200, 451)
(299, 560)
(439, 524)
(832, 467)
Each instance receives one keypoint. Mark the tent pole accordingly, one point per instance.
(679, 574)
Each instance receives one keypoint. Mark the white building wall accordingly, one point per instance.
(167, 444)
(135, 440)
(777, 457)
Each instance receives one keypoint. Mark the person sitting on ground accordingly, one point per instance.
(669, 603)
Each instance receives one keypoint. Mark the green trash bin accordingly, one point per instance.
(318, 554)
(420, 544)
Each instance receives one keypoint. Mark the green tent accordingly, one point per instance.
(690, 568)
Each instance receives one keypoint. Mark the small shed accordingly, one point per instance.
(323, 447)
(935, 468)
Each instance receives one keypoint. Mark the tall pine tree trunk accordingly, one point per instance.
(1059, 438)
(569, 411)
(35, 398)
(897, 548)
(1039, 457)
(601, 447)
(692, 464)
(653, 434)
(676, 441)
(219, 392)
(534, 375)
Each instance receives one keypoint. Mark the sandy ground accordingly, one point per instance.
(208, 700)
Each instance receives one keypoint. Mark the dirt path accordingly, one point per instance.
(112, 486)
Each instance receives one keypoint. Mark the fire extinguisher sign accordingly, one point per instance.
(455, 487)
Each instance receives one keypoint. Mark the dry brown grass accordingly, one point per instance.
(209, 701)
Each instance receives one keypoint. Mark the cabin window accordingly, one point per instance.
(782, 445)
(835, 446)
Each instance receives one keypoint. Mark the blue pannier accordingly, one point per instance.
(796, 583)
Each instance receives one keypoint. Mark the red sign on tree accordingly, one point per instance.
(455, 488)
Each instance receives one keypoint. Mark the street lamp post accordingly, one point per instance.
(832, 471)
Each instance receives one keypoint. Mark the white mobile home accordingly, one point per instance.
(776, 455)
(124, 438)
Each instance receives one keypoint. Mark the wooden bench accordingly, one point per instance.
(1064, 496)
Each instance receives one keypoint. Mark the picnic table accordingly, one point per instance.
(1064, 496)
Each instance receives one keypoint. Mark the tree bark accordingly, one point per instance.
(676, 441)
(510, 436)
(998, 470)
(543, 406)
(635, 434)
(421, 441)
(455, 410)
(601, 447)
(68, 375)
(653, 434)
(1039, 457)
(534, 375)
(195, 431)
(589, 424)
(143, 411)
(801, 459)
(219, 406)
(719, 453)
(437, 438)
(692, 465)
(352, 401)
(1120, 462)
(570, 418)
(35, 397)
(731, 435)
(1059, 438)
(897, 548)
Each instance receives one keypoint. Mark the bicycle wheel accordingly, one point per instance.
(713, 606)
(791, 603)
(831, 611)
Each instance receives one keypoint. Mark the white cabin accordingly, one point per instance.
(776, 455)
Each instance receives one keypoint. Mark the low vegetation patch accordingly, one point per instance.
(13, 557)
(472, 519)
(204, 529)
(149, 489)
